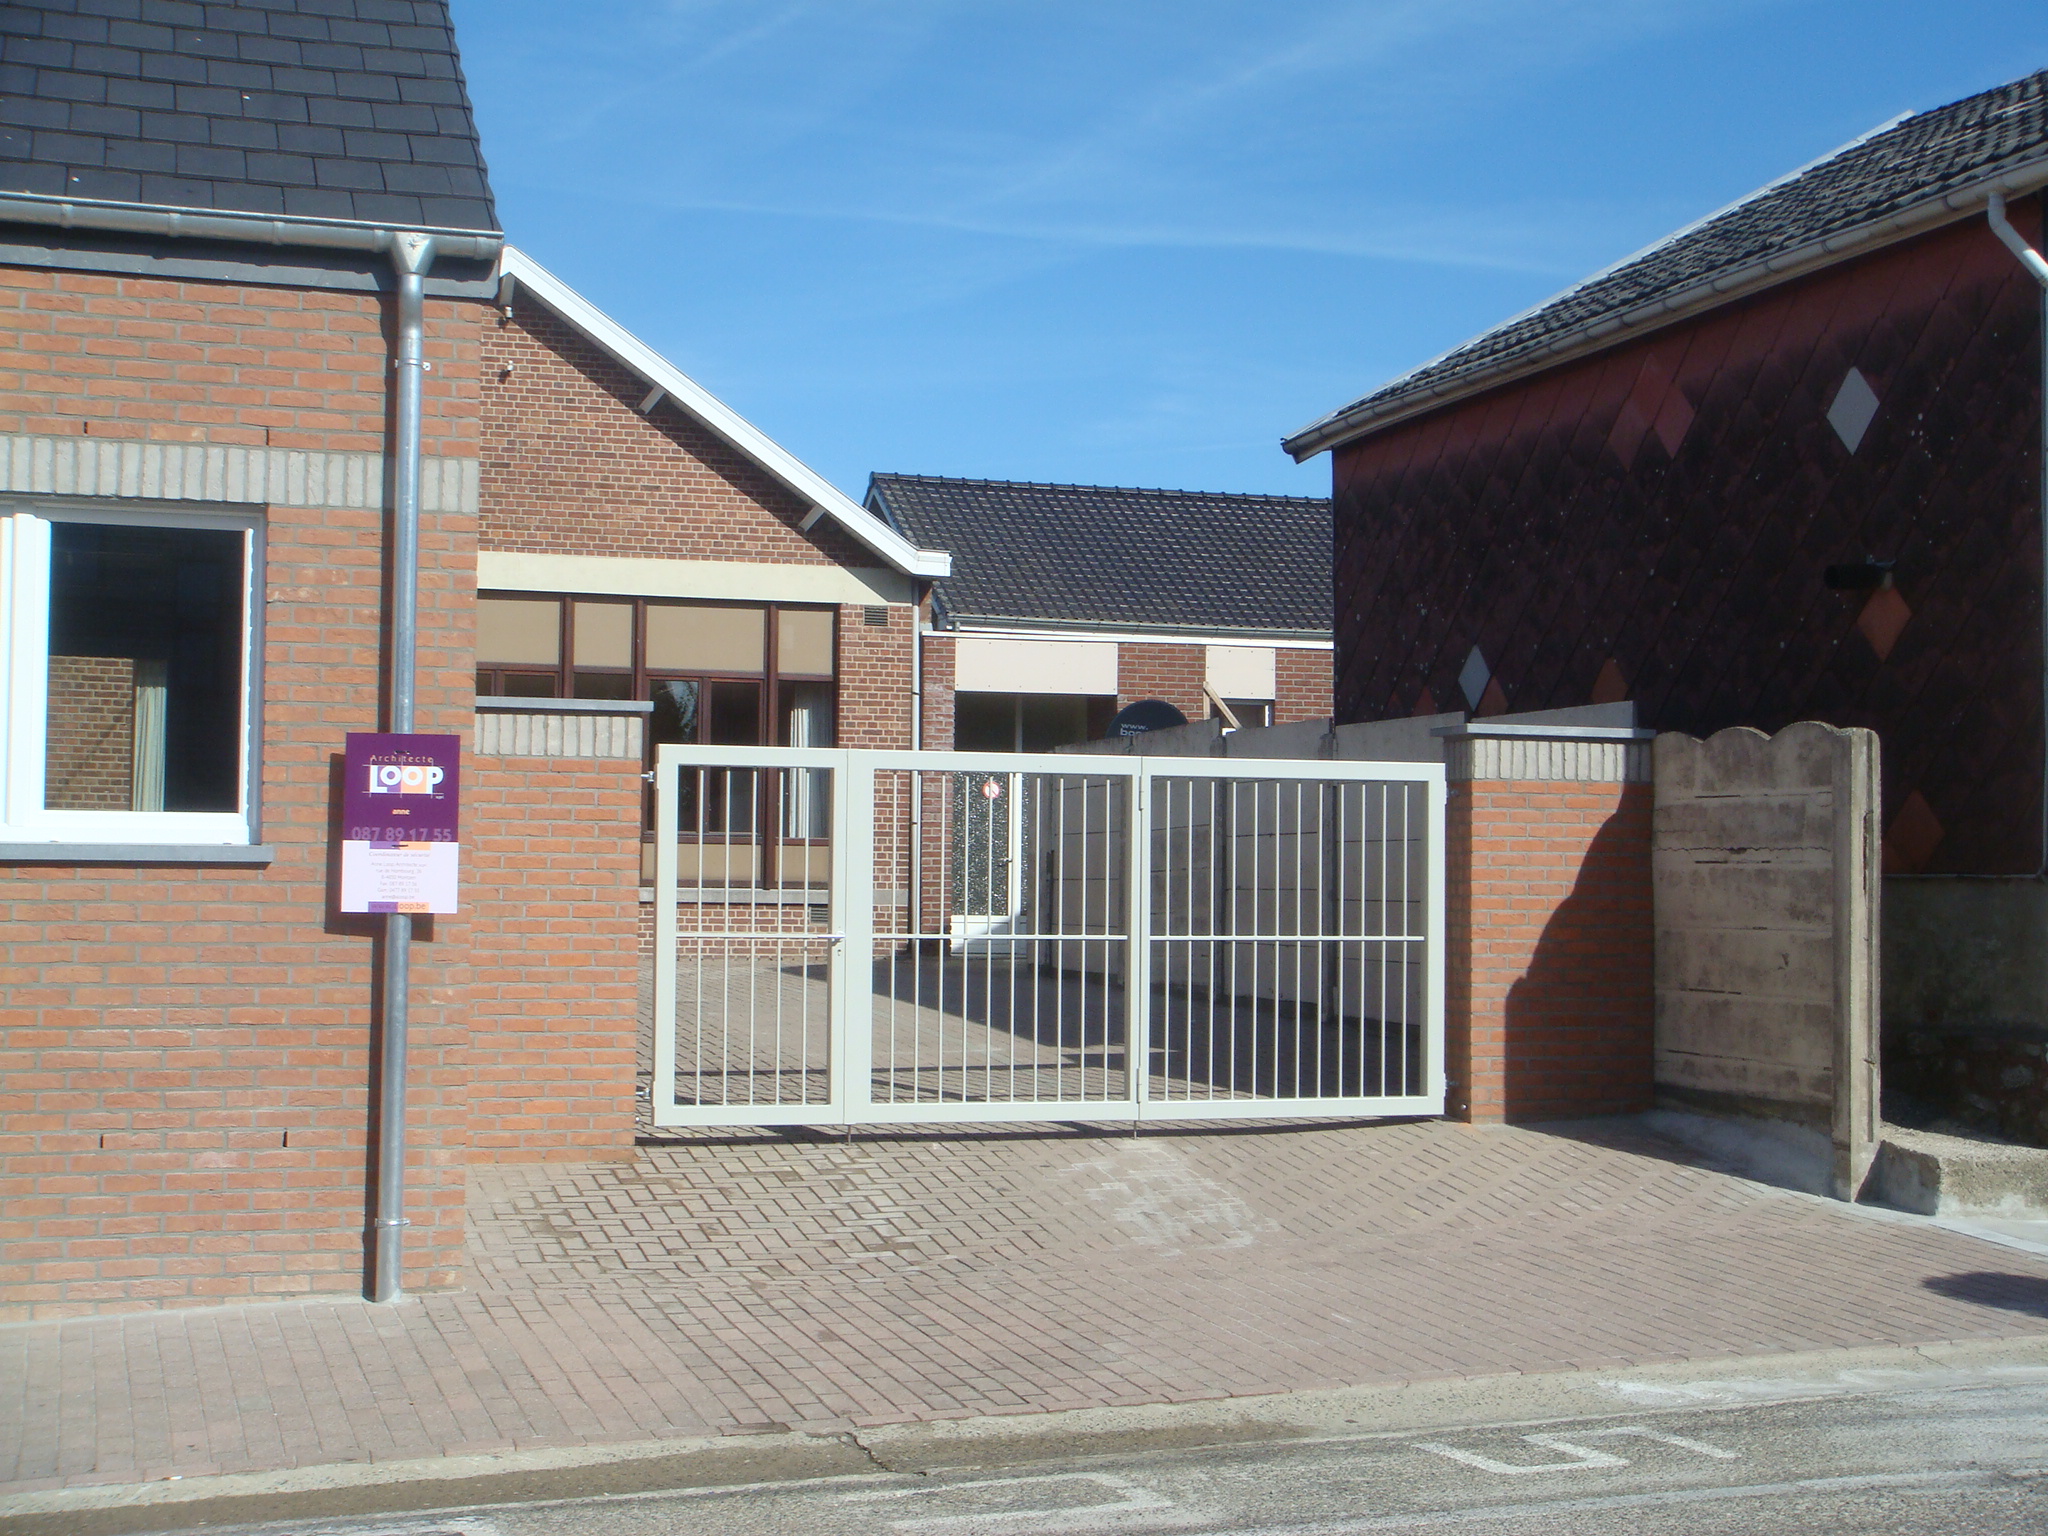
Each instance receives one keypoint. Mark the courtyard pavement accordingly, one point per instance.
(726, 1283)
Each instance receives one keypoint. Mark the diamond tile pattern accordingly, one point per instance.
(1474, 677)
(1909, 842)
(1999, 130)
(1112, 555)
(1882, 620)
(335, 109)
(1509, 522)
(1855, 404)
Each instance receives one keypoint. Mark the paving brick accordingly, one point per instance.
(735, 1280)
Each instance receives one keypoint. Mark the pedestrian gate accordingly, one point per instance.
(847, 937)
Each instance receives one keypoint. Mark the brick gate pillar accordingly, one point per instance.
(552, 874)
(1549, 1000)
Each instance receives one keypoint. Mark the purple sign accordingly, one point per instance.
(400, 789)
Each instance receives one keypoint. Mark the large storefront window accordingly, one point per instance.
(726, 674)
(717, 674)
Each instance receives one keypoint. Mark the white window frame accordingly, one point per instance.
(24, 685)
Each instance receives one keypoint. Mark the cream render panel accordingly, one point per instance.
(1240, 672)
(1034, 666)
(730, 580)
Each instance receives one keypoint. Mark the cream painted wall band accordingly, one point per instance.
(221, 472)
(743, 580)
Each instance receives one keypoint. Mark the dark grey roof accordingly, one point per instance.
(329, 109)
(1869, 187)
(1106, 555)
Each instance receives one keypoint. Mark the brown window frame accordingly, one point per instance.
(769, 680)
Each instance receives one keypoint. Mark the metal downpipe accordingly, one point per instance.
(411, 255)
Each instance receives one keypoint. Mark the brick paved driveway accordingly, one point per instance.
(729, 1282)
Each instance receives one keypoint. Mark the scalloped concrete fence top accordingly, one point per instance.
(1765, 867)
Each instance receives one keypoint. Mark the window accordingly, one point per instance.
(129, 704)
(1028, 722)
(1252, 714)
(724, 673)
(721, 674)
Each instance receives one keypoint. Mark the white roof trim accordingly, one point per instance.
(661, 374)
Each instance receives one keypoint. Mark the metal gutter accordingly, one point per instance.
(239, 228)
(659, 373)
(993, 626)
(1358, 420)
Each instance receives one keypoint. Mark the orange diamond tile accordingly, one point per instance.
(1910, 841)
(1610, 687)
(1882, 618)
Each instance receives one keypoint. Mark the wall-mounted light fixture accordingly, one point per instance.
(1867, 575)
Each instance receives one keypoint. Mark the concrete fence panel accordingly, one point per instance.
(1765, 875)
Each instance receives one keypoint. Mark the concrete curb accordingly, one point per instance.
(913, 1450)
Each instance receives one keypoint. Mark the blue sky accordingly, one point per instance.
(1135, 242)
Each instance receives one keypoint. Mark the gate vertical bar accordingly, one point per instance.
(661, 1092)
(1138, 1019)
(852, 967)
(1433, 926)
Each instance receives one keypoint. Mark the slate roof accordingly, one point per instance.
(1945, 152)
(331, 109)
(1106, 555)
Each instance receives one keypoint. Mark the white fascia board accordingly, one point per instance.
(660, 373)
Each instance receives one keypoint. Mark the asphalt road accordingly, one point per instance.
(1954, 1460)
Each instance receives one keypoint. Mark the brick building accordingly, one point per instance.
(200, 231)
(1783, 465)
(1068, 603)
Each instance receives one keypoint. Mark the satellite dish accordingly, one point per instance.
(1146, 715)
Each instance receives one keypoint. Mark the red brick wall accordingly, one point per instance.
(185, 1062)
(937, 661)
(874, 677)
(1549, 1007)
(1301, 685)
(1162, 671)
(552, 853)
(201, 362)
(571, 467)
(90, 752)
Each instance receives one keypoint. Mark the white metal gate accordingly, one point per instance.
(848, 937)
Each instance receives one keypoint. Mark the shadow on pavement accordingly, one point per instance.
(1988, 1288)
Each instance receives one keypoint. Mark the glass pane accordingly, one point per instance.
(529, 685)
(985, 722)
(526, 631)
(808, 715)
(807, 721)
(603, 685)
(145, 700)
(735, 715)
(604, 636)
(675, 710)
(803, 641)
(1054, 720)
(681, 638)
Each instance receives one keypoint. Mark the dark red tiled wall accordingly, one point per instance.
(1654, 523)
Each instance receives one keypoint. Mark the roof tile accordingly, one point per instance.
(1091, 554)
(286, 105)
